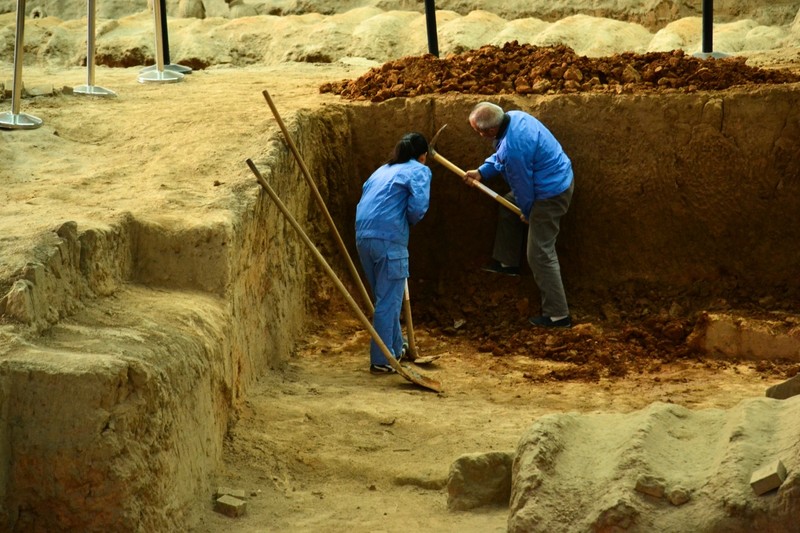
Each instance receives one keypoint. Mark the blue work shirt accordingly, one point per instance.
(394, 198)
(531, 161)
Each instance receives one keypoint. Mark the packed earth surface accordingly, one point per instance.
(305, 435)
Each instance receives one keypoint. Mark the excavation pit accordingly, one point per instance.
(136, 333)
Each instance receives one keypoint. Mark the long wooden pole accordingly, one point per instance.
(412, 340)
(318, 197)
(408, 373)
(483, 188)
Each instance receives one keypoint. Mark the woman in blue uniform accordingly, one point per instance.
(394, 198)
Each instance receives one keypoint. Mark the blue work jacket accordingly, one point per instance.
(394, 198)
(531, 161)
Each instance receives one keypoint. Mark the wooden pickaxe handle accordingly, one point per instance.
(412, 340)
(483, 188)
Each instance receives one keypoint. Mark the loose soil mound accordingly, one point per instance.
(625, 331)
(528, 69)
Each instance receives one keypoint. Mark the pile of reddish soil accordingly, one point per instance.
(528, 69)
(630, 330)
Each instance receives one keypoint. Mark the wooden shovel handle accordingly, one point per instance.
(412, 341)
(481, 187)
(318, 197)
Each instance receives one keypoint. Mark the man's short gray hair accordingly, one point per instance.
(486, 116)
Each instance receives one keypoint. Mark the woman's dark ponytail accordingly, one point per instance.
(411, 146)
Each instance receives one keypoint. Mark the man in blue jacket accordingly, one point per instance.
(394, 198)
(539, 174)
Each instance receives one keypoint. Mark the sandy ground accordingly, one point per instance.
(325, 446)
(320, 444)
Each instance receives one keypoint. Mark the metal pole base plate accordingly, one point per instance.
(19, 121)
(160, 76)
(706, 55)
(174, 68)
(93, 90)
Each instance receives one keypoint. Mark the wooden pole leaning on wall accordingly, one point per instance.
(321, 202)
(408, 373)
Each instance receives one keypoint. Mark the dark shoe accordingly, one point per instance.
(381, 369)
(547, 322)
(498, 268)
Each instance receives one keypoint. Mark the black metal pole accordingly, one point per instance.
(430, 22)
(164, 36)
(708, 26)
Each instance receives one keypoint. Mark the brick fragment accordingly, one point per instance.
(41, 90)
(230, 506)
(768, 477)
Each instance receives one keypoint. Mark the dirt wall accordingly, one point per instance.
(130, 348)
(670, 190)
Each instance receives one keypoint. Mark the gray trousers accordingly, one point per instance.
(545, 221)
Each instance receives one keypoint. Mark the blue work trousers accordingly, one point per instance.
(385, 265)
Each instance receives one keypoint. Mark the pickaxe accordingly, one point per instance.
(450, 166)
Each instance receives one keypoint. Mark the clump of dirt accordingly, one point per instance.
(529, 69)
